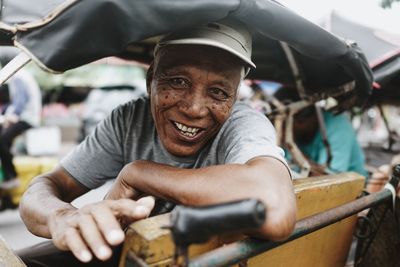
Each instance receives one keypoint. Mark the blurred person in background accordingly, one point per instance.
(347, 154)
(21, 113)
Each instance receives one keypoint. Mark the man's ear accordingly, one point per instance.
(149, 77)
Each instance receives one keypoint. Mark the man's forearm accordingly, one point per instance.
(39, 202)
(48, 195)
(191, 186)
(264, 179)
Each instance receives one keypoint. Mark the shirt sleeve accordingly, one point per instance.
(249, 134)
(100, 156)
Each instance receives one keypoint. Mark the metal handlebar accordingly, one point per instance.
(191, 225)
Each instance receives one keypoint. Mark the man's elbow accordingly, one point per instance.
(25, 213)
(278, 231)
(278, 226)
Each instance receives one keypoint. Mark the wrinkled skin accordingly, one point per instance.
(194, 91)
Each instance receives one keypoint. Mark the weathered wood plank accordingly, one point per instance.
(326, 247)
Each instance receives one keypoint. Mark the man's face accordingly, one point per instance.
(305, 128)
(192, 91)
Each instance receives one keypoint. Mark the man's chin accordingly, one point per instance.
(183, 151)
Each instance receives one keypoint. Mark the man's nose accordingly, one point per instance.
(194, 105)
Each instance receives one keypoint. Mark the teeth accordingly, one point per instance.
(186, 130)
(188, 134)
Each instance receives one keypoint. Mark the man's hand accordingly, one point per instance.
(95, 228)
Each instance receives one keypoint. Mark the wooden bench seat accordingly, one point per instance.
(148, 241)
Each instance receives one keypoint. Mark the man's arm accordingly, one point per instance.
(263, 178)
(47, 193)
(46, 210)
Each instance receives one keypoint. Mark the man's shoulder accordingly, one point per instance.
(244, 119)
(241, 105)
(242, 110)
(141, 102)
(134, 106)
(134, 116)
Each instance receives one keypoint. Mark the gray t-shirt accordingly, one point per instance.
(129, 134)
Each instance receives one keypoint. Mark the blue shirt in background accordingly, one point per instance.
(347, 154)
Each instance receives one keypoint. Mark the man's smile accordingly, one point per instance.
(192, 97)
(186, 130)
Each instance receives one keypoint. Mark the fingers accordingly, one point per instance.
(95, 228)
(128, 211)
(135, 210)
(93, 237)
(77, 246)
(108, 225)
(103, 225)
(148, 202)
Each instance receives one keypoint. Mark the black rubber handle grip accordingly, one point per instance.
(191, 225)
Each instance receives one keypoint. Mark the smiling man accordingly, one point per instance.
(188, 143)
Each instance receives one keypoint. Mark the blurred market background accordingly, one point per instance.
(75, 101)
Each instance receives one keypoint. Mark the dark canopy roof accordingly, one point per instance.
(85, 31)
(387, 75)
(382, 50)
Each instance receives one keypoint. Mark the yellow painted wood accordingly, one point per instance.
(326, 247)
(316, 194)
(149, 240)
(27, 168)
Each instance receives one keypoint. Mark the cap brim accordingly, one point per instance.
(202, 41)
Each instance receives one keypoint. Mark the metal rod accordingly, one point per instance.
(324, 135)
(386, 122)
(295, 70)
(298, 156)
(238, 251)
(13, 66)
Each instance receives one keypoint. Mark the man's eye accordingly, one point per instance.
(179, 83)
(218, 93)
